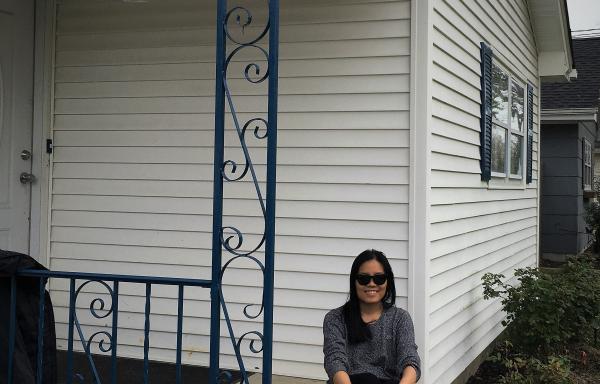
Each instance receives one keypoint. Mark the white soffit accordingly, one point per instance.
(553, 37)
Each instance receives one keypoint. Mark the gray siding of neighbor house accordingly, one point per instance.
(562, 201)
(587, 129)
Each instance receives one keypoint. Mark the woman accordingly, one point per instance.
(368, 340)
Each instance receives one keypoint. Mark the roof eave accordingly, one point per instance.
(564, 115)
(550, 19)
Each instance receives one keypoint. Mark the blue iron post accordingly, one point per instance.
(231, 24)
(269, 277)
(215, 303)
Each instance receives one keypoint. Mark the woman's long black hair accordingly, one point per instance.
(356, 328)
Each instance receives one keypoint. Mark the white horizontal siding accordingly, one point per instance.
(133, 153)
(288, 139)
(195, 88)
(474, 229)
(200, 257)
(292, 69)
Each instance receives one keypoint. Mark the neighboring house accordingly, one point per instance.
(379, 147)
(568, 150)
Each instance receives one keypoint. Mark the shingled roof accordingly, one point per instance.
(584, 91)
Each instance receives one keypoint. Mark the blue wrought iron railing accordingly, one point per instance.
(108, 341)
(225, 237)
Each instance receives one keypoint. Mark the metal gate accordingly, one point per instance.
(224, 238)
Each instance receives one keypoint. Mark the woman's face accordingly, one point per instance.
(370, 293)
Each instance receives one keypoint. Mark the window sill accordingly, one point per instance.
(589, 194)
(503, 183)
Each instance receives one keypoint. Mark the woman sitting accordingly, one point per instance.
(369, 340)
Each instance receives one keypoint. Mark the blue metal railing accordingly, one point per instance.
(98, 309)
(225, 237)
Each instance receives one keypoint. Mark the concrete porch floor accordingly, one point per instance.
(131, 370)
(257, 379)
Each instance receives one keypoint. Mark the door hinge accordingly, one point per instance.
(49, 146)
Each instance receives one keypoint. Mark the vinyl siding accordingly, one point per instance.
(563, 202)
(475, 228)
(132, 167)
(561, 188)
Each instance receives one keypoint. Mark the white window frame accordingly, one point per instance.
(508, 130)
(587, 165)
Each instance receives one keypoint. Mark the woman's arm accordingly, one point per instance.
(334, 347)
(341, 377)
(409, 375)
(409, 362)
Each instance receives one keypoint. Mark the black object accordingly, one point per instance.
(132, 370)
(529, 174)
(25, 351)
(486, 112)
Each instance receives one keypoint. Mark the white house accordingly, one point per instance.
(379, 147)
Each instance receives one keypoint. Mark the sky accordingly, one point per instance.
(584, 16)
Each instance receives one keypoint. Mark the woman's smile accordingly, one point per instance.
(370, 293)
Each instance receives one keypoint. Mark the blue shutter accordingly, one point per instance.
(486, 112)
(529, 133)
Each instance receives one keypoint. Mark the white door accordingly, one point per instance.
(16, 108)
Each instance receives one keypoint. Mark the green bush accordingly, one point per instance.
(524, 369)
(592, 219)
(546, 312)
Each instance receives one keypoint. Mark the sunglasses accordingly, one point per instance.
(364, 279)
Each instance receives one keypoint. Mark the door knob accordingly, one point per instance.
(26, 178)
(25, 154)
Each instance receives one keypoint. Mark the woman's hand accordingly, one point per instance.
(409, 375)
(341, 377)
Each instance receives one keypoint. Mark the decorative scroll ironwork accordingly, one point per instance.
(232, 238)
(106, 340)
(99, 309)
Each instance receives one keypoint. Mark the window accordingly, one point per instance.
(587, 165)
(506, 123)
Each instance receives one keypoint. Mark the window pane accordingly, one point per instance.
(587, 165)
(499, 94)
(587, 177)
(518, 107)
(588, 153)
(498, 149)
(516, 155)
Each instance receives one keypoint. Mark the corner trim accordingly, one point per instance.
(420, 175)
(42, 123)
(538, 170)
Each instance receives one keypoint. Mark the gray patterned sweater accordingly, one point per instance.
(391, 348)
